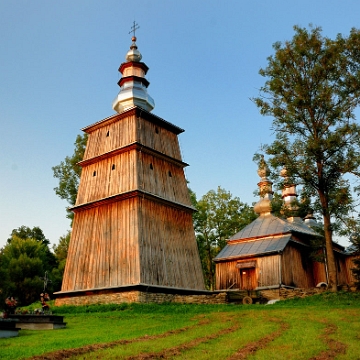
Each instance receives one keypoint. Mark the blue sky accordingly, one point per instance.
(58, 73)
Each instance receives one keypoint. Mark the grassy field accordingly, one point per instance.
(325, 326)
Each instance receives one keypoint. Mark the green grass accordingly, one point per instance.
(298, 328)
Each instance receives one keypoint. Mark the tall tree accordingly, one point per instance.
(36, 233)
(219, 216)
(311, 91)
(24, 232)
(68, 173)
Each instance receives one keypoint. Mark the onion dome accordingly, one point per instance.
(289, 194)
(263, 206)
(133, 54)
(133, 84)
(310, 219)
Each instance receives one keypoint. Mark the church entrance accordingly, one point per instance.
(247, 275)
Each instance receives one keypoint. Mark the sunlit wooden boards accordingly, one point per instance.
(133, 214)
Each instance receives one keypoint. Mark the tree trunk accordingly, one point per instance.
(210, 269)
(330, 258)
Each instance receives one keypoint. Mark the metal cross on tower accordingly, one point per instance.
(134, 28)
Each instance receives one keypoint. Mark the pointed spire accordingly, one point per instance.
(263, 206)
(133, 84)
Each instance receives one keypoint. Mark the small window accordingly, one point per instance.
(170, 175)
(113, 167)
(157, 130)
(151, 166)
(108, 133)
(94, 173)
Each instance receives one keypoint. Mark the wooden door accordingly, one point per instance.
(247, 279)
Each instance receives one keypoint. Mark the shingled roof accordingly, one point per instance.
(265, 235)
(269, 224)
(272, 244)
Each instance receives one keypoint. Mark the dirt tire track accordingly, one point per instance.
(68, 353)
(254, 346)
(335, 347)
(178, 350)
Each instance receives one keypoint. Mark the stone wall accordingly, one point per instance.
(140, 297)
(284, 293)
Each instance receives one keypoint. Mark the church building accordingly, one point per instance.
(273, 252)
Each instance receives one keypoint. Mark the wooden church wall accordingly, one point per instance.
(350, 265)
(111, 136)
(104, 251)
(162, 178)
(158, 138)
(127, 130)
(319, 272)
(108, 177)
(267, 273)
(342, 273)
(227, 275)
(296, 268)
(169, 254)
(269, 270)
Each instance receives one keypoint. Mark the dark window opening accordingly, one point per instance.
(157, 130)
(94, 173)
(170, 175)
(113, 167)
(151, 166)
(108, 133)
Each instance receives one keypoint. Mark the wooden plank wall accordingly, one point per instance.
(269, 270)
(319, 272)
(297, 269)
(104, 249)
(113, 176)
(121, 133)
(162, 178)
(342, 275)
(168, 249)
(267, 273)
(157, 138)
(350, 265)
(227, 275)
(109, 242)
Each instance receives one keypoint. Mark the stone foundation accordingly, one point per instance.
(284, 293)
(138, 296)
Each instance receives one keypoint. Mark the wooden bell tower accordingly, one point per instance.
(133, 216)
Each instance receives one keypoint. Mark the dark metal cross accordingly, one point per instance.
(134, 28)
